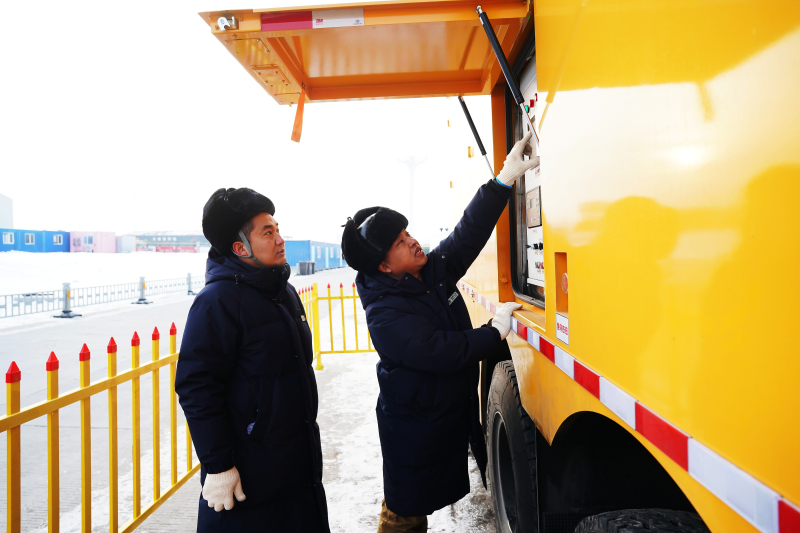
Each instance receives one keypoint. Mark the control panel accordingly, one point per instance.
(533, 221)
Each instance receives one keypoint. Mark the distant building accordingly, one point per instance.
(6, 212)
(172, 242)
(325, 255)
(38, 241)
(126, 244)
(93, 242)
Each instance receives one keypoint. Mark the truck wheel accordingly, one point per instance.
(511, 439)
(651, 520)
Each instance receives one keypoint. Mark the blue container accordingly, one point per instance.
(324, 254)
(56, 241)
(36, 241)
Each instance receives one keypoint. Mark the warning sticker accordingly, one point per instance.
(562, 328)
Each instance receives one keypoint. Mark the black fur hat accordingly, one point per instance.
(364, 252)
(227, 211)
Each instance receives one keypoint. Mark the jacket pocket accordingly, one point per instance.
(410, 388)
(243, 398)
(263, 413)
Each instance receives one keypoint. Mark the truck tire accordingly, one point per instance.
(649, 520)
(511, 447)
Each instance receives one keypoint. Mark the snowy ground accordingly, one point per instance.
(348, 392)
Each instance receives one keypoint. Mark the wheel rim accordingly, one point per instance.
(504, 491)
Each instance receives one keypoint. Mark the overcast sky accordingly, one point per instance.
(125, 117)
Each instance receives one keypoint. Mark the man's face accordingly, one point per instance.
(404, 257)
(265, 241)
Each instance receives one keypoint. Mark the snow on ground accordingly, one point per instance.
(353, 475)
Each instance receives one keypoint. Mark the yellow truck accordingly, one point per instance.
(655, 250)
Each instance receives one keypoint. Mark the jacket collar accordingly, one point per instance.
(374, 286)
(270, 280)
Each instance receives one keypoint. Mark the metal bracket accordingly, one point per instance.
(225, 24)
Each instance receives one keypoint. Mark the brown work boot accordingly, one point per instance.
(393, 523)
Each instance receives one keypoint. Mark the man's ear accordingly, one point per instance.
(239, 249)
(384, 267)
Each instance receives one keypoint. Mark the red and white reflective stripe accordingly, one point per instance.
(313, 19)
(764, 508)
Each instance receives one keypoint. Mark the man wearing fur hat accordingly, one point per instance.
(245, 380)
(429, 352)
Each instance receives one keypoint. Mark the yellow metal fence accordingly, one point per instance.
(15, 417)
(336, 306)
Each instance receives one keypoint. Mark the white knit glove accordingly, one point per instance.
(219, 489)
(514, 167)
(502, 320)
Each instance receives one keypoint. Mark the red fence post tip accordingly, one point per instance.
(156, 334)
(52, 362)
(173, 330)
(329, 285)
(112, 346)
(354, 284)
(135, 339)
(85, 354)
(13, 375)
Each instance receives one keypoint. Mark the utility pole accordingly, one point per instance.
(412, 163)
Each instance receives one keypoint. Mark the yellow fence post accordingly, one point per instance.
(113, 456)
(86, 444)
(341, 307)
(136, 425)
(156, 423)
(330, 316)
(188, 448)
(173, 407)
(13, 473)
(53, 500)
(355, 315)
(315, 330)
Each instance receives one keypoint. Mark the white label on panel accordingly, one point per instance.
(562, 328)
(337, 18)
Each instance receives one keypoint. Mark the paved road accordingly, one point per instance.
(348, 391)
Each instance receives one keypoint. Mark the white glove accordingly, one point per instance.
(502, 320)
(514, 167)
(219, 489)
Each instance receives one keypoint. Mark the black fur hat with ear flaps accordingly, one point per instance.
(227, 211)
(365, 248)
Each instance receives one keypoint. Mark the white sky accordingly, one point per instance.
(125, 117)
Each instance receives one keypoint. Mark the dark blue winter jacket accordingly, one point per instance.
(428, 406)
(246, 384)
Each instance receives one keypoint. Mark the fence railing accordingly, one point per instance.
(334, 305)
(66, 298)
(15, 417)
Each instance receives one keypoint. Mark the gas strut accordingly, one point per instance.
(501, 59)
(475, 132)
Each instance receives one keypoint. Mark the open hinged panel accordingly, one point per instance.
(370, 50)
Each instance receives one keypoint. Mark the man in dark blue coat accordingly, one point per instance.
(428, 408)
(245, 380)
